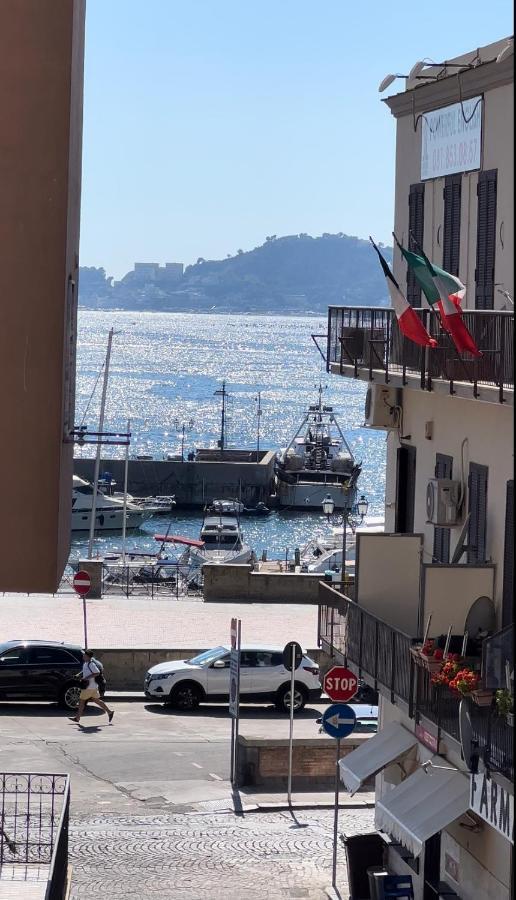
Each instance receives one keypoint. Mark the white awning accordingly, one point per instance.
(423, 804)
(379, 751)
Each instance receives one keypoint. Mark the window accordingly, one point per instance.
(268, 658)
(416, 227)
(451, 231)
(51, 655)
(15, 656)
(443, 469)
(486, 239)
(477, 486)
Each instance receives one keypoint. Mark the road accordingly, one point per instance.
(153, 814)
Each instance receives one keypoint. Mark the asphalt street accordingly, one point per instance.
(153, 815)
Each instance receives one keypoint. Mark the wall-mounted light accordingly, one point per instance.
(387, 81)
(508, 50)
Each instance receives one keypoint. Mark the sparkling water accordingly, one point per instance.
(165, 368)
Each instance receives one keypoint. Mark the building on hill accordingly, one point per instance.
(153, 273)
(443, 760)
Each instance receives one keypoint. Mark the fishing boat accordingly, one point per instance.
(220, 541)
(317, 462)
(109, 510)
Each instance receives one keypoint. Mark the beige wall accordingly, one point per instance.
(488, 428)
(498, 153)
(41, 48)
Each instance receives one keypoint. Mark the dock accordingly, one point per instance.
(225, 475)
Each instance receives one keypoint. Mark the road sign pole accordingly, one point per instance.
(237, 718)
(336, 818)
(291, 735)
(85, 621)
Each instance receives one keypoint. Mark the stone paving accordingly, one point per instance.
(145, 623)
(257, 856)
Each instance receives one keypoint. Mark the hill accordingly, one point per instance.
(296, 274)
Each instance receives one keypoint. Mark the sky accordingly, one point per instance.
(210, 124)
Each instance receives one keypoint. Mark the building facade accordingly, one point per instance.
(41, 92)
(444, 566)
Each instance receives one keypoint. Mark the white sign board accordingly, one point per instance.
(234, 669)
(493, 803)
(450, 141)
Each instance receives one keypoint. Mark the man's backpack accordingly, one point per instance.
(100, 679)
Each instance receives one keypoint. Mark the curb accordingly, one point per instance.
(285, 807)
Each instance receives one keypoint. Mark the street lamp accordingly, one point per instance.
(354, 516)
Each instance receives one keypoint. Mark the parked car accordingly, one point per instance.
(263, 678)
(40, 670)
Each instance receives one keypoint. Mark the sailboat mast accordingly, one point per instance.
(97, 457)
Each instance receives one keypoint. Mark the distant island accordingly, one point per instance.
(295, 275)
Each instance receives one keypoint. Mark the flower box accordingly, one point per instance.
(482, 697)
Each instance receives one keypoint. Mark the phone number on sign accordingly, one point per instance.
(463, 153)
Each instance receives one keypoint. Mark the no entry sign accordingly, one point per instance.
(82, 583)
(340, 683)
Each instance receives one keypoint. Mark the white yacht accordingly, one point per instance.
(220, 541)
(109, 510)
(324, 552)
(317, 462)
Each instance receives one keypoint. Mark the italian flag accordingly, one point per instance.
(409, 323)
(446, 292)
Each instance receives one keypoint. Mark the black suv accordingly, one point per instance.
(40, 670)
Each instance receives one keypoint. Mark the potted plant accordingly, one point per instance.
(464, 682)
(447, 671)
(505, 705)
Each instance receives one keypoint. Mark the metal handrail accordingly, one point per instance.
(58, 875)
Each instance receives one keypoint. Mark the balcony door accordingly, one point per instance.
(405, 489)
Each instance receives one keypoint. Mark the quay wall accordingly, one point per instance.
(193, 483)
(241, 583)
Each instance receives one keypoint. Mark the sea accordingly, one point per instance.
(164, 372)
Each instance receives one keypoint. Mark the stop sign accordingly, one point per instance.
(340, 683)
(82, 583)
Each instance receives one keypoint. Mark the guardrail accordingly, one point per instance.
(34, 811)
(369, 338)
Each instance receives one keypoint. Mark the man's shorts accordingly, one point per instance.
(89, 694)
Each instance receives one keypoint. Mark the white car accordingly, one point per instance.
(263, 678)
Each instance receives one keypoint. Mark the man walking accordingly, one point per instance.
(90, 692)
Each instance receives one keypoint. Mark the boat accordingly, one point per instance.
(161, 504)
(220, 541)
(109, 509)
(259, 510)
(317, 462)
(324, 552)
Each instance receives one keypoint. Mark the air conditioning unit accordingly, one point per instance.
(382, 407)
(442, 501)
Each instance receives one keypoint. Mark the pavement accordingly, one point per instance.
(153, 814)
(141, 622)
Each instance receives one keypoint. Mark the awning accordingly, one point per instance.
(379, 751)
(423, 804)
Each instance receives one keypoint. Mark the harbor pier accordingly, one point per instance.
(225, 475)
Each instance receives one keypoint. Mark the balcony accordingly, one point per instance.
(367, 343)
(380, 654)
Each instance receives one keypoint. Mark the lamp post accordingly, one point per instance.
(359, 511)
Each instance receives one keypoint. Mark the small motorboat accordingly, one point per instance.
(259, 510)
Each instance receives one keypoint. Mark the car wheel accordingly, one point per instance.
(186, 695)
(283, 698)
(70, 696)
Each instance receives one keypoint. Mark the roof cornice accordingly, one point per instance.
(445, 91)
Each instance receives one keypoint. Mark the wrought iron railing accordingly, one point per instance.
(369, 338)
(34, 811)
(369, 644)
(380, 651)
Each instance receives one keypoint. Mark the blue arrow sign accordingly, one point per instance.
(339, 720)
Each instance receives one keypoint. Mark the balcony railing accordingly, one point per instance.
(369, 338)
(34, 810)
(381, 653)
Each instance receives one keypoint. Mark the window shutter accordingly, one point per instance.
(451, 230)
(443, 469)
(486, 239)
(477, 485)
(508, 558)
(416, 226)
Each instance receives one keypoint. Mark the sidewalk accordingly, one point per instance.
(142, 623)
